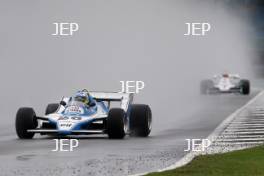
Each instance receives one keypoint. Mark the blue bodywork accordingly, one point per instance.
(74, 111)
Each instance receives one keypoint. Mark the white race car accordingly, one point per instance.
(225, 83)
(70, 117)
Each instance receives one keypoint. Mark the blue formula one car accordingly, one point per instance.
(72, 117)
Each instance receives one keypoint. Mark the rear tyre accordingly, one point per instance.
(140, 120)
(51, 108)
(205, 86)
(25, 120)
(245, 86)
(116, 123)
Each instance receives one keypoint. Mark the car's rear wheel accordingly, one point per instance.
(25, 120)
(116, 123)
(140, 120)
(245, 86)
(51, 108)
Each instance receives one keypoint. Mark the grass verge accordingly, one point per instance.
(248, 162)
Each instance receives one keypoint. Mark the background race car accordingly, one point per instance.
(225, 83)
(70, 117)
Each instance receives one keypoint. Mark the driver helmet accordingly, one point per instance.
(82, 96)
(225, 75)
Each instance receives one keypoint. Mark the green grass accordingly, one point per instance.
(248, 162)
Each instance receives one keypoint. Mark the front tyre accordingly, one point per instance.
(140, 120)
(245, 86)
(25, 120)
(205, 86)
(116, 123)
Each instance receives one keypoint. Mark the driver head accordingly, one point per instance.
(82, 96)
(225, 75)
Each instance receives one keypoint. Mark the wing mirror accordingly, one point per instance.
(63, 103)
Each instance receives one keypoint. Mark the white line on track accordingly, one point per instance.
(244, 132)
(237, 143)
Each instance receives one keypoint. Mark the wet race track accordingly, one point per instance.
(116, 41)
(98, 155)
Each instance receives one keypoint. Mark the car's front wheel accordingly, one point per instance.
(205, 86)
(25, 120)
(116, 123)
(245, 86)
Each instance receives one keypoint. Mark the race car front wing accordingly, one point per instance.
(72, 132)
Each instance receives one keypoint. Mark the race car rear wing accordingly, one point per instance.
(124, 98)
